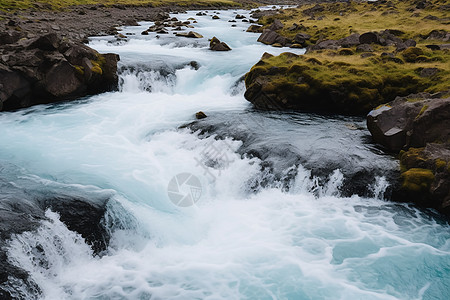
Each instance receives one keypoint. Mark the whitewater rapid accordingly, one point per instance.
(265, 226)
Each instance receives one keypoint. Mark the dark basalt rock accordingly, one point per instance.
(23, 209)
(401, 124)
(46, 70)
(270, 37)
(419, 125)
(217, 45)
(369, 38)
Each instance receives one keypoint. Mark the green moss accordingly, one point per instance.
(79, 69)
(440, 163)
(417, 179)
(412, 54)
(424, 108)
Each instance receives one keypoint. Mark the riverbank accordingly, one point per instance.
(361, 55)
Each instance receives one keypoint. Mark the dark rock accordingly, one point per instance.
(215, 17)
(48, 42)
(217, 45)
(130, 22)
(313, 10)
(428, 72)
(350, 41)
(368, 38)
(200, 115)
(22, 209)
(433, 47)
(364, 48)
(328, 44)
(190, 34)
(402, 123)
(270, 37)
(255, 29)
(239, 17)
(276, 25)
(301, 38)
(161, 16)
(441, 35)
(49, 70)
(9, 37)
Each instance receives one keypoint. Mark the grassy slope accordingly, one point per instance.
(362, 83)
(60, 4)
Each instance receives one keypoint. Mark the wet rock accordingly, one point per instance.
(200, 115)
(239, 17)
(255, 29)
(215, 17)
(50, 70)
(190, 34)
(23, 209)
(216, 45)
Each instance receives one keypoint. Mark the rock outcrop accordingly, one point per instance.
(47, 69)
(419, 127)
(409, 122)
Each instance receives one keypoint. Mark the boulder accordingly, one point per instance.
(369, 38)
(216, 45)
(349, 41)
(9, 37)
(48, 42)
(276, 25)
(200, 115)
(328, 44)
(364, 48)
(190, 34)
(49, 70)
(270, 37)
(301, 38)
(403, 123)
(255, 28)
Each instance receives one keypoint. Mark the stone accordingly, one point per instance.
(364, 48)
(200, 115)
(369, 38)
(255, 29)
(190, 34)
(401, 124)
(350, 41)
(216, 45)
(270, 37)
(48, 42)
(276, 25)
(301, 38)
(428, 72)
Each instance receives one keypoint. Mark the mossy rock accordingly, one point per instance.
(346, 51)
(412, 53)
(417, 180)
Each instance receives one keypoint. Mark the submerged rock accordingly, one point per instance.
(200, 115)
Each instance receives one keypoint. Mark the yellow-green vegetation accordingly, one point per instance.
(417, 179)
(61, 4)
(344, 80)
(340, 19)
(354, 84)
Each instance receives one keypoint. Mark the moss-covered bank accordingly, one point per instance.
(359, 56)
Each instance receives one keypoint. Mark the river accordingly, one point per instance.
(243, 204)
